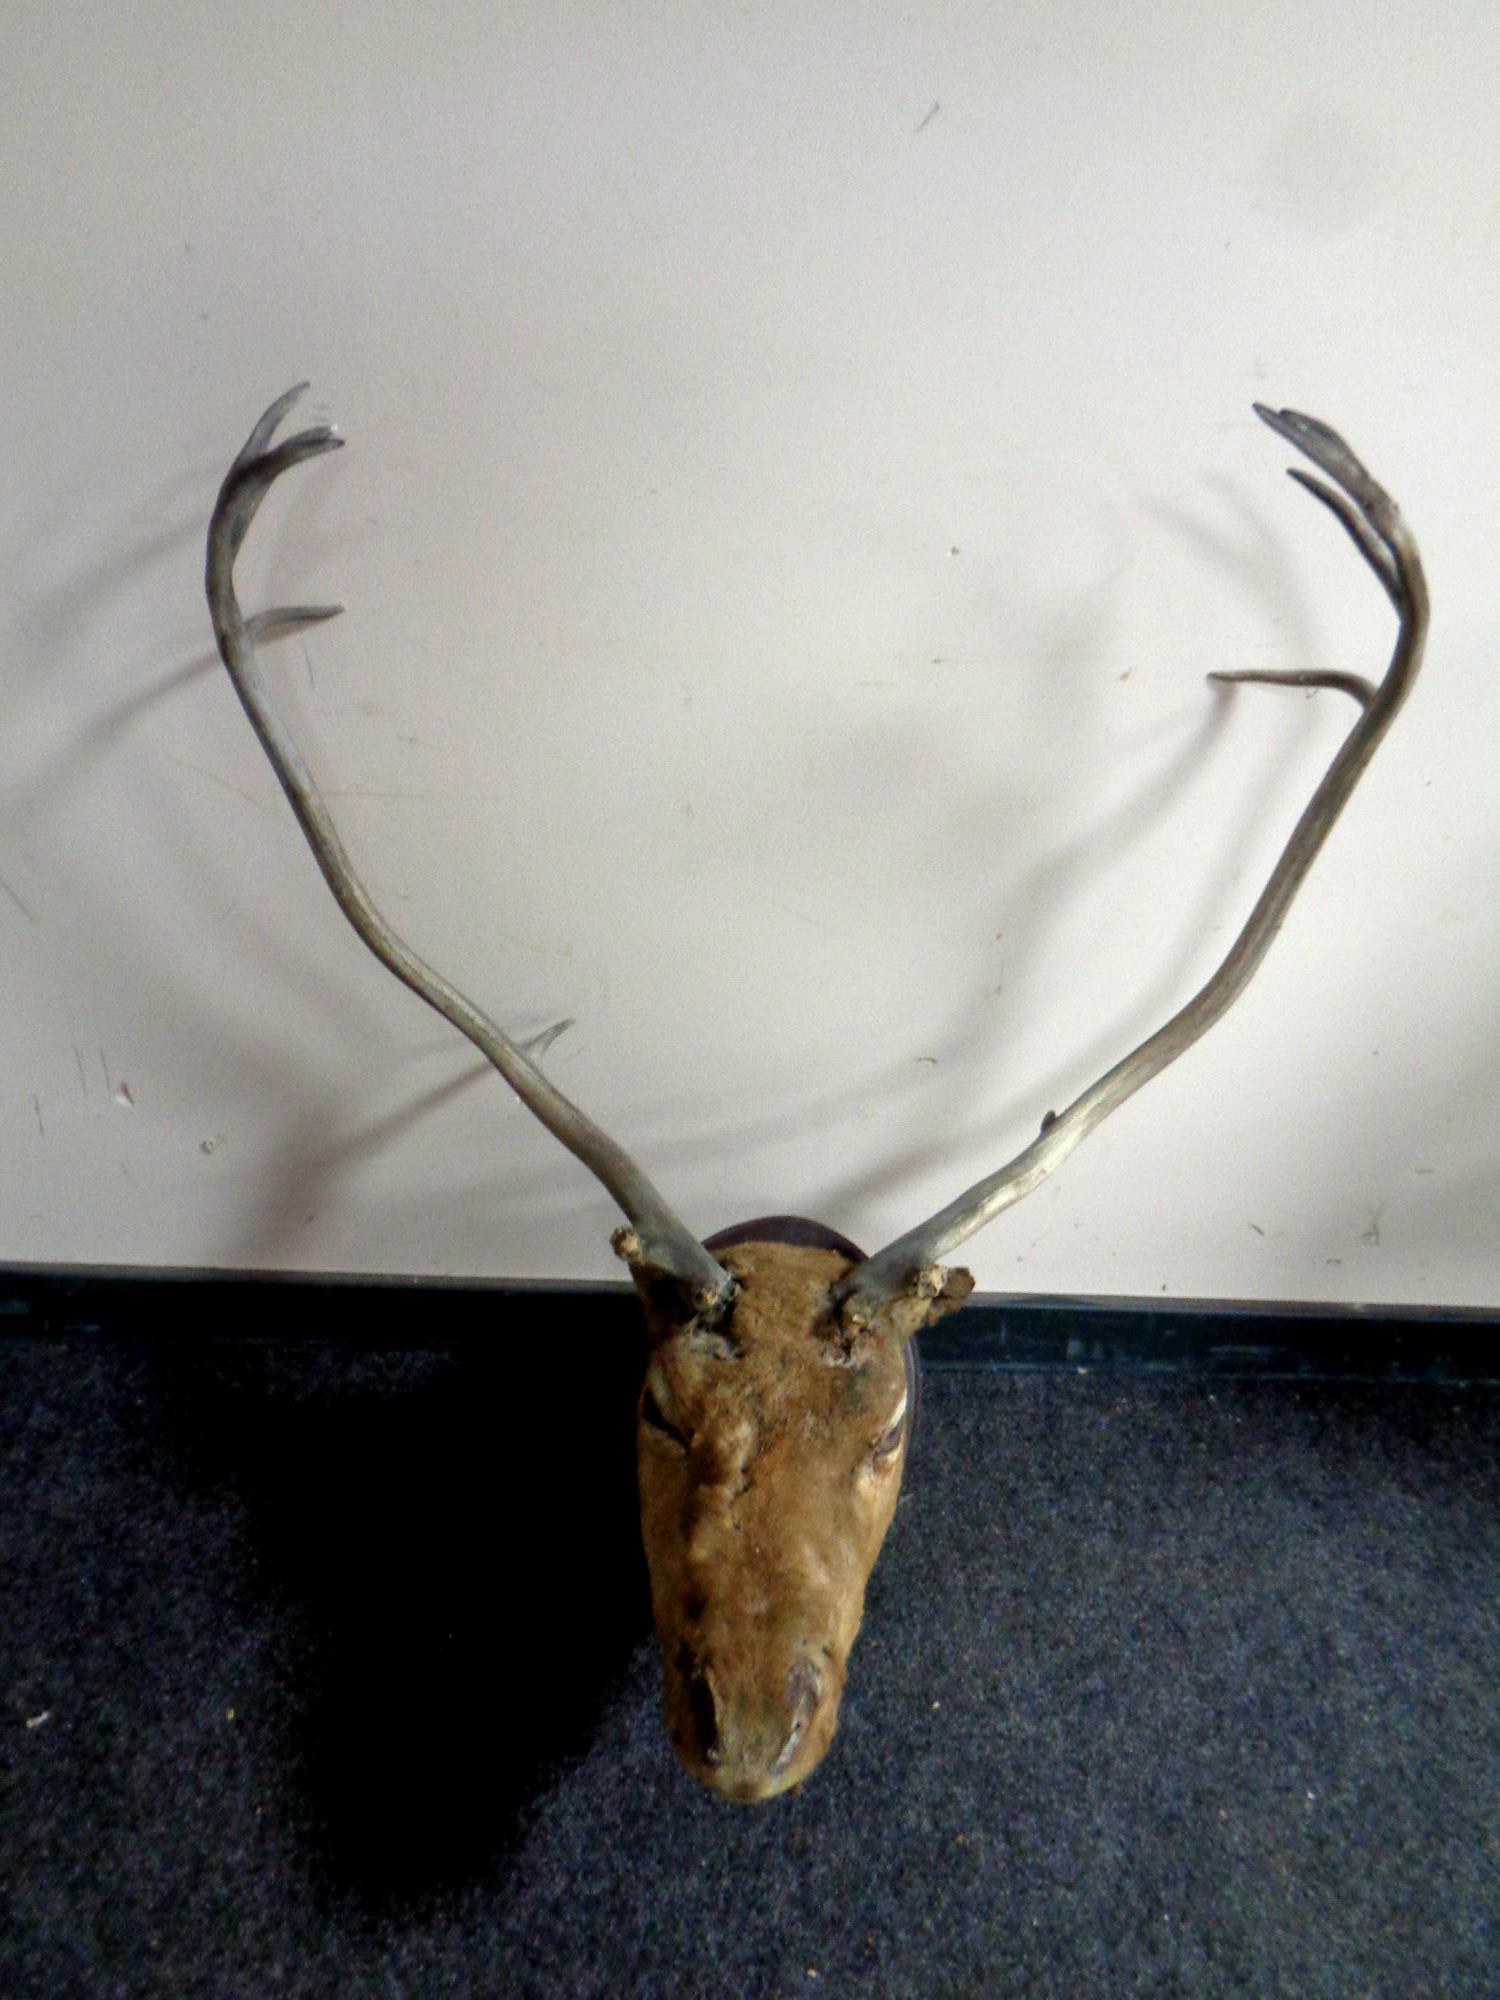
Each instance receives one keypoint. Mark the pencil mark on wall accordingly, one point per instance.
(36, 1105)
(213, 776)
(791, 910)
(936, 108)
(28, 914)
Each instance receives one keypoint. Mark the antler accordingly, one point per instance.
(911, 1266)
(657, 1243)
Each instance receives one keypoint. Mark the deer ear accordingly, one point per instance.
(929, 1295)
(956, 1287)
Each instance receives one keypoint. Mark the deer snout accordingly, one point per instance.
(748, 1738)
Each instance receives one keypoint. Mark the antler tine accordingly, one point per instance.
(656, 1241)
(912, 1263)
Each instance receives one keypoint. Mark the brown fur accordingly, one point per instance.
(763, 1515)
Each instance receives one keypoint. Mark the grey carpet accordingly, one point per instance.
(326, 1673)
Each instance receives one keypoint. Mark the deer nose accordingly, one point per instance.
(741, 1744)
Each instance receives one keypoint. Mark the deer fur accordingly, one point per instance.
(770, 1450)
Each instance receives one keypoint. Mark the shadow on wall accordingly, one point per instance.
(447, 1553)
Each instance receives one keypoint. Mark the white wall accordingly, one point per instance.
(800, 469)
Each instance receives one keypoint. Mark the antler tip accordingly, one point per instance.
(318, 437)
(1290, 424)
(308, 443)
(276, 411)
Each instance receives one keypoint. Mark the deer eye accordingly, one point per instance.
(656, 1419)
(886, 1446)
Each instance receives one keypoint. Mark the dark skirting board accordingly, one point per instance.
(1382, 1343)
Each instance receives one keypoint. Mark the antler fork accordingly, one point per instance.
(656, 1243)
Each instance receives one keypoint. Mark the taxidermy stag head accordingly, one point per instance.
(780, 1383)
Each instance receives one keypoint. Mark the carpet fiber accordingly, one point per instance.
(327, 1672)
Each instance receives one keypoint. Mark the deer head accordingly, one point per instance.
(780, 1385)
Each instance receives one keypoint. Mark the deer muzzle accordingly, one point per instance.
(748, 1742)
